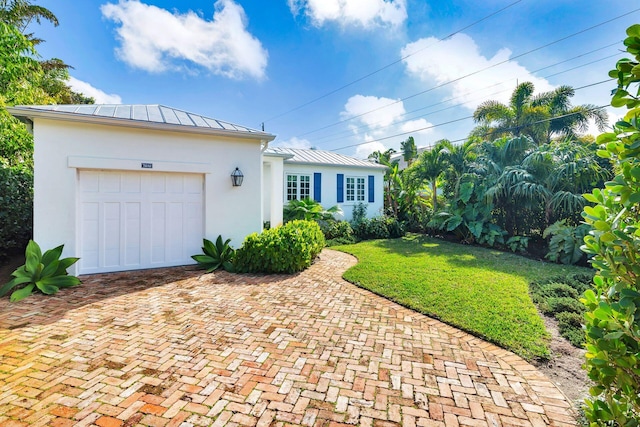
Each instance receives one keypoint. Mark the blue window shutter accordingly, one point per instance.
(340, 189)
(317, 187)
(371, 189)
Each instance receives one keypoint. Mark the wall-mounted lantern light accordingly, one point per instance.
(237, 177)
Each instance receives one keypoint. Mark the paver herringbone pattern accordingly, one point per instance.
(175, 347)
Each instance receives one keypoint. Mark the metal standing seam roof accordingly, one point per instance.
(150, 114)
(321, 157)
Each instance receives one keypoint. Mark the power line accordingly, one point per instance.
(469, 93)
(470, 117)
(472, 74)
(359, 79)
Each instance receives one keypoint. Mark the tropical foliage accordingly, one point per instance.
(613, 305)
(309, 210)
(46, 273)
(540, 117)
(25, 78)
(215, 256)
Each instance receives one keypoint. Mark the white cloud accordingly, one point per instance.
(459, 56)
(155, 40)
(86, 89)
(364, 13)
(292, 143)
(375, 118)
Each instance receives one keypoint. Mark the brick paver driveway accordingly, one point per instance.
(175, 347)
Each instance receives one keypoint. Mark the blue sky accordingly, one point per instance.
(253, 61)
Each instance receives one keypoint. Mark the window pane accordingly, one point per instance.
(351, 189)
(305, 186)
(292, 187)
(360, 190)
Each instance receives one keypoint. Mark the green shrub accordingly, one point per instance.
(285, 249)
(612, 319)
(570, 327)
(334, 229)
(308, 209)
(215, 256)
(341, 241)
(380, 227)
(555, 290)
(555, 305)
(46, 273)
(16, 209)
(565, 242)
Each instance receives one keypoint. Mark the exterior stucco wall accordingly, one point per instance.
(62, 148)
(329, 186)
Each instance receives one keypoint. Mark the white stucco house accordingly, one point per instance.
(128, 187)
(328, 178)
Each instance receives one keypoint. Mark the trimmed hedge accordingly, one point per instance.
(286, 249)
(16, 209)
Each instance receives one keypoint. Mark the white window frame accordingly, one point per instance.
(303, 186)
(358, 191)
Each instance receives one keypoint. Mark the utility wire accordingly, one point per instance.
(359, 79)
(470, 117)
(471, 74)
(344, 132)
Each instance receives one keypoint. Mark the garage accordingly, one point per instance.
(135, 220)
(129, 187)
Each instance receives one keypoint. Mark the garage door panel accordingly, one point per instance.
(131, 220)
(132, 232)
(158, 232)
(175, 232)
(112, 230)
(90, 229)
(132, 183)
(110, 183)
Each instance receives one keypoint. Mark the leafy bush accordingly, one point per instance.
(612, 320)
(46, 273)
(518, 244)
(359, 214)
(555, 305)
(341, 241)
(564, 246)
(558, 297)
(16, 209)
(570, 327)
(215, 256)
(285, 249)
(381, 227)
(334, 229)
(308, 209)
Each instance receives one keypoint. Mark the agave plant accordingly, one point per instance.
(215, 256)
(46, 273)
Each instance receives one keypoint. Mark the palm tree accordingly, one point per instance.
(459, 159)
(430, 167)
(409, 150)
(533, 116)
(517, 118)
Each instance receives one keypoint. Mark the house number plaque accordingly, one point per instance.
(147, 165)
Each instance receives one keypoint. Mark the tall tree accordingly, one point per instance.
(430, 167)
(21, 13)
(409, 150)
(539, 117)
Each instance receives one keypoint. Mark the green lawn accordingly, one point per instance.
(482, 291)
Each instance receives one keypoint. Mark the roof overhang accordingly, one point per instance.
(374, 166)
(27, 113)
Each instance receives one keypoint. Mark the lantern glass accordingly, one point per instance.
(237, 177)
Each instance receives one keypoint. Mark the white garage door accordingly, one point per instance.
(135, 220)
